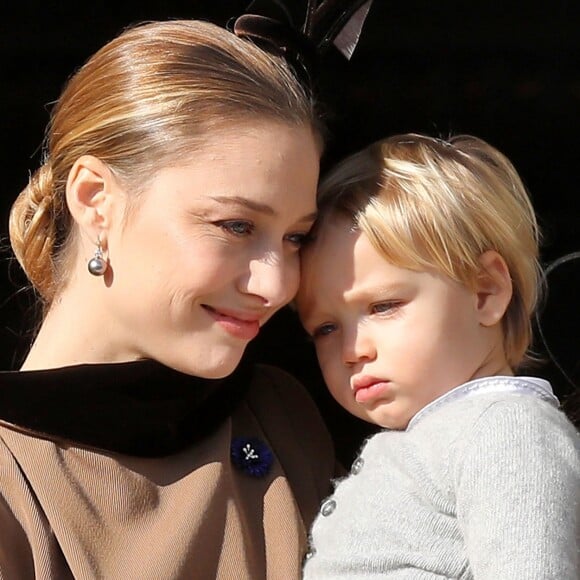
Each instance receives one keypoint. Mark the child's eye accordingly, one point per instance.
(237, 227)
(384, 307)
(323, 330)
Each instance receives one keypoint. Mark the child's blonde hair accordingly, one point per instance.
(427, 204)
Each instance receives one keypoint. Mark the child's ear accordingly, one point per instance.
(493, 288)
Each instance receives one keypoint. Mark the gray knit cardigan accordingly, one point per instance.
(484, 484)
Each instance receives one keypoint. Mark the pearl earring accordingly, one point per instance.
(97, 264)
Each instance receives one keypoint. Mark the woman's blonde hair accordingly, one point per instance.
(144, 101)
(427, 204)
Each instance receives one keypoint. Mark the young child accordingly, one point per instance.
(418, 290)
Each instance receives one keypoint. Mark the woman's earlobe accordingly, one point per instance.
(493, 288)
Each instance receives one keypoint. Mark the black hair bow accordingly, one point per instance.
(303, 32)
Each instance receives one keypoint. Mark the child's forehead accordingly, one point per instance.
(342, 263)
(326, 260)
(333, 229)
(334, 239)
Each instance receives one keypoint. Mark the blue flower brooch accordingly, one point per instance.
(251, 456)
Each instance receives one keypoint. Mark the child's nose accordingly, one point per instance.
(358, 345)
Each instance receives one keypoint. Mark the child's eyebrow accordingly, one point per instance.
(371, 292)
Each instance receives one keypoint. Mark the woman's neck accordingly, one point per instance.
(74, 331)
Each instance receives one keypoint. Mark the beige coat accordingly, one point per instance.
(72, 512)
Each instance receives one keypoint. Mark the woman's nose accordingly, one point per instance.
(273, 277)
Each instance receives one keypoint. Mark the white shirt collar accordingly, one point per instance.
(496, 384)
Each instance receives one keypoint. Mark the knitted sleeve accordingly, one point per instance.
(518, 493)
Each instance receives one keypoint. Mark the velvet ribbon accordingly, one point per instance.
(139, 408)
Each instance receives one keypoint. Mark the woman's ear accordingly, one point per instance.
(493, 288)
(90, 195)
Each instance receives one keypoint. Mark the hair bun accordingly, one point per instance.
(32, 229)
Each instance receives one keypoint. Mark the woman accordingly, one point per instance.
(161, 232)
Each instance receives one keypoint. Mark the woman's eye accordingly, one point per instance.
(237, 227)
(297, 239)
(323, 330)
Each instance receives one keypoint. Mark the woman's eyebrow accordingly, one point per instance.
(244, 202)
(256, 206)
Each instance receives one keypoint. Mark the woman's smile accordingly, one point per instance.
(243, 325)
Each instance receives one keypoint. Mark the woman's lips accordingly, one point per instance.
(368, 389)
(238, 324)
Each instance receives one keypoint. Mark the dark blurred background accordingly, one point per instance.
(508, 72)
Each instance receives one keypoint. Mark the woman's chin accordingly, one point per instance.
(209, 367)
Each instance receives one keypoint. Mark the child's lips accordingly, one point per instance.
(367, 388)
